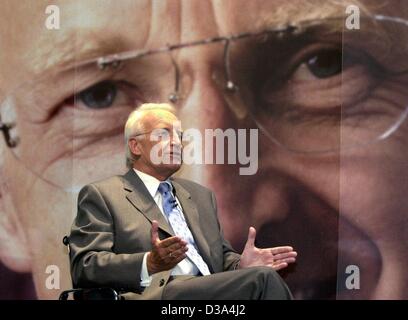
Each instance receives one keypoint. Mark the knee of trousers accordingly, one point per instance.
(268, 276)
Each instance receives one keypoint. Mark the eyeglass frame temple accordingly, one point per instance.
(114, 59)
(175, 96)
(147, 132)
(5, 129)
(230, 85)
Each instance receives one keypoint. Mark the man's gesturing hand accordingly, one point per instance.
(276, 258)
(165, 254)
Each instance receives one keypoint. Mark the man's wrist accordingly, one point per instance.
(150, 266)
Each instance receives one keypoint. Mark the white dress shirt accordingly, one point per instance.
(184, 267)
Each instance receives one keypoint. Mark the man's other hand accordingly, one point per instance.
(276, 258)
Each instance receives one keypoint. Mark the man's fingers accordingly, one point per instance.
(280, 256)
(176, 246)
(154, 232)
(280, 266)
(179, 258)
(251, 237)
(174, 257)
(168, 242)
(284, 249)
(288, 260)
(283, 262)
(179, 252)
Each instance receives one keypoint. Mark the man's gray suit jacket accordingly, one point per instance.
(111, 233)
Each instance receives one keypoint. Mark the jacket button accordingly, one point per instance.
(161, 282)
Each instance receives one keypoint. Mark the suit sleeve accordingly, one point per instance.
(231, 257)
(93, 260)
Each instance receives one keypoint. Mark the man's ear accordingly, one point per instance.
(14, 252)
(134, 147)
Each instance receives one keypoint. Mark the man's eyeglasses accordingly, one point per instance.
(160, 134)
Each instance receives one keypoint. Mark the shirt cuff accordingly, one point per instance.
(144, 274)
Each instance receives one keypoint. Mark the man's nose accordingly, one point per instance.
(206, 106)
(175, 139)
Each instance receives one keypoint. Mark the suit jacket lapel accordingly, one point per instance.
(192, 217)
(141, 199)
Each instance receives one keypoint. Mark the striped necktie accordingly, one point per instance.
(180, 227)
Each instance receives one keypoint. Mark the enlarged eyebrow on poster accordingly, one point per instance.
(169, 139)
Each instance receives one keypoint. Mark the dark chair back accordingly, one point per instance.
(88, 293)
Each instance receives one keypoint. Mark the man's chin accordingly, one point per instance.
(171, 168)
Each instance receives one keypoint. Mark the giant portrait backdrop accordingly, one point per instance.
(295, 113)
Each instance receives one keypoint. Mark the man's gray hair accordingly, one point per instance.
(135, 125)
